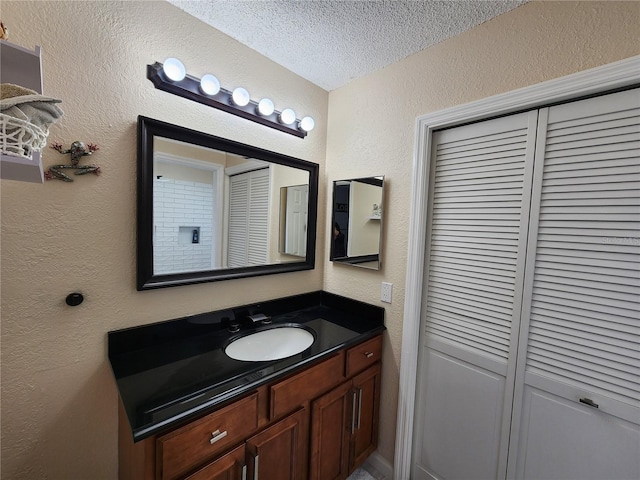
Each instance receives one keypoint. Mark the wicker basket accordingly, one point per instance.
(19, 137)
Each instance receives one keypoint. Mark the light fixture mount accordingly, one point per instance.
(189, 88)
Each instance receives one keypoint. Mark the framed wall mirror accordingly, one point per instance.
(213, 209)
(357, 221)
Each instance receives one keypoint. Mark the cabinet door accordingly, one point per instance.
(330, 434)
(364, 425)
(228, 467)
(279, 451)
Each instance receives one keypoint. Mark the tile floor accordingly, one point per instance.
(362, 474)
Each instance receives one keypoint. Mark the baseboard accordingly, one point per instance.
(380, 466)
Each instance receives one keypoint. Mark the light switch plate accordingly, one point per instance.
(385, 292)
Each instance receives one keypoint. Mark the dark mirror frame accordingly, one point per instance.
(148, 128)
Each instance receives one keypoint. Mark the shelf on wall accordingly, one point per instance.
(22, 169)
(21, 66)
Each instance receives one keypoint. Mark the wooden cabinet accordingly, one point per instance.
(366, 405)
(197, 442)
(307, 385)
(279, 451)
(330, 442)
(344, 422)
(269, 434)
(230, 466)
(363, 355)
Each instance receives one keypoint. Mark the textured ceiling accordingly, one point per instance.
(331, 42)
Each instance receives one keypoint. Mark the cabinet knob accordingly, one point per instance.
(368, 354)
(217, 435)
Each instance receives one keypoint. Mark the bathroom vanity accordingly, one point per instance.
(189, 411)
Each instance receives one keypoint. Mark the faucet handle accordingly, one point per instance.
(260, 318)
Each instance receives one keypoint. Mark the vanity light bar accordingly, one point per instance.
(173, 78)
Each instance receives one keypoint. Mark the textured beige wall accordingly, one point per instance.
(59, 402)
(372, 125)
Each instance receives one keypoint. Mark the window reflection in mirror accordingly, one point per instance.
(213, 209)
(357, 222)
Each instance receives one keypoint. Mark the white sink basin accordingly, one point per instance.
(271, 344)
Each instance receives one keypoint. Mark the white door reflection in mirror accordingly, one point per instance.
(293, 220)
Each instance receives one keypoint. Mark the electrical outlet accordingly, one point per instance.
(385, 292)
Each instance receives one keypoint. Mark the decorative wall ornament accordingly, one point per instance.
(77, 150)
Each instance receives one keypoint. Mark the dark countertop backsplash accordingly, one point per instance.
(169, 372)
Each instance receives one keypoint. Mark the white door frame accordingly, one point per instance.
(589, 82)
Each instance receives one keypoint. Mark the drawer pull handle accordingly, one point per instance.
(244, 472)
(215, 436)
(353, 413)
(588, 401)
(359, 406)
(368, 354)
(255, 467)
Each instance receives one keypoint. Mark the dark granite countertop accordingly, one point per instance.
(170, 372)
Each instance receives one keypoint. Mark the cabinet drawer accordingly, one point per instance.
(294, 391)
(186, 448)
(363, 355)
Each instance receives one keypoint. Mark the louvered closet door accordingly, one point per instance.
(581, 319)
(238, 229)
(248, 219)
(480, 184)
(258, 218)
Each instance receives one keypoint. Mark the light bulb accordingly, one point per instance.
(209, 84)
(240, 97)
(265, 107)
(287, 116)
(307, 124)
(174, 69)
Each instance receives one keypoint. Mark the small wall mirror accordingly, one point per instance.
(213, 209)
(357, 222)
